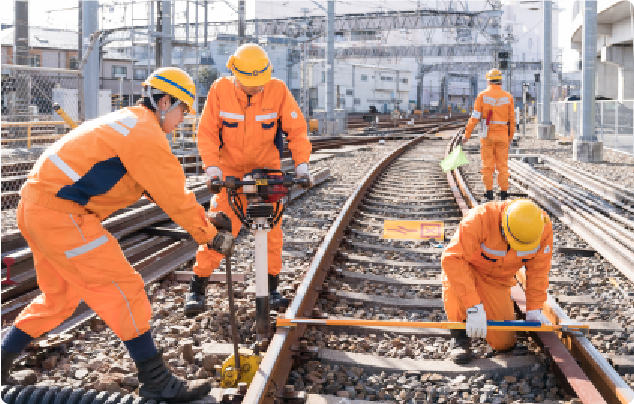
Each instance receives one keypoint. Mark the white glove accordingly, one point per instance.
(213, 172)
(476, 322)
(302, 173)
(536, 315)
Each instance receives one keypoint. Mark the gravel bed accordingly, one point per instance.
(405, 387)
(95, 358)
(390, 291)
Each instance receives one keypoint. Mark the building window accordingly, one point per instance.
(34, 60)
(387, 78)
(295, 75)
(323, 77)
(357, 101)
(404, 81)
(119, 71)
(140, 74)
(350, 92)
(74, 63)
(364, 77)
(223, 49)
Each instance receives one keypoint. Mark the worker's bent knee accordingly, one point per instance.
(501, 341)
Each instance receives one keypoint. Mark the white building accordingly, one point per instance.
(615, 35)
(359, 86)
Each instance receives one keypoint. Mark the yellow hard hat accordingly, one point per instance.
(175, 82)
(523, 224)
(251, 66)
(493, 75)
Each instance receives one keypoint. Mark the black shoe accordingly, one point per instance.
(489, 195)
(461, 353)
(195, 303)
(7, 363)
(276, 300)
(504, 195)
(159, 384)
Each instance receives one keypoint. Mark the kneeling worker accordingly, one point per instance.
(242, 128)
(98, 168)
(495, 107)
(492, 243)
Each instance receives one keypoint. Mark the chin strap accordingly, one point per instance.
(147, 92)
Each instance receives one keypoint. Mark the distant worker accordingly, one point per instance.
(494, 107)
(242, 128)
(98, 168)
(492, 243)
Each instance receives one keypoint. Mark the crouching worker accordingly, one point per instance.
(478, 267)
(100, 167)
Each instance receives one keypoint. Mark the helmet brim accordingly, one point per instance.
(253, 81)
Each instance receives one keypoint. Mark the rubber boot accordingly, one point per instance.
(461, 353)
(7, 363)
(504, 195)
(276, 300)
(195, 303)
(489, 195)
(159, 384)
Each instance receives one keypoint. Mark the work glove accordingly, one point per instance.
(220, 220)
(536, 315)
(476, 322)
(222, 243)
(302, 173)
(214, 174)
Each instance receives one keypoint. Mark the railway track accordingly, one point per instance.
(367, 277)
(14, 174)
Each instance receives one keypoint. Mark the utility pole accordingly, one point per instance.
(241, 23)
(206, 21)
(330, 70)
(158, 54)
(21, 34)
(546, 130)
(166, 38)
(587, 148)
(90, 24)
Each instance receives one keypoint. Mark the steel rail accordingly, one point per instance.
(277, 361)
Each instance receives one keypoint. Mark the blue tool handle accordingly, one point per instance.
(515, 322)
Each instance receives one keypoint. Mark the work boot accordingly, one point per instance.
(461, 352)
(195, 303)
(7, 363)
(276, 300)
(489, 195)
(504, 195)
(159, 384)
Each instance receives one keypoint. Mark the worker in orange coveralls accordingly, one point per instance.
(98, 168)
(242, 128)
(495, 108)
(492, 243)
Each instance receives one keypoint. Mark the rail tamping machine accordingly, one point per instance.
(264, 191)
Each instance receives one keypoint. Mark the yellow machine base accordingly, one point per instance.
(249, 364)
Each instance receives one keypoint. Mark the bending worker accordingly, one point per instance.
(495, 108)
(241, 129)
(98, 168)
(492, 243)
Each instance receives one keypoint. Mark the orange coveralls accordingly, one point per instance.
(240, 133)
(494, 148)
(479, 266)
(98, 168)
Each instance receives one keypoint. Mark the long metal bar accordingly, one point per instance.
(232, 317)
(491, 325)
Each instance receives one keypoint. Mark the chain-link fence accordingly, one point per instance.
(614, 122)
(28, 97)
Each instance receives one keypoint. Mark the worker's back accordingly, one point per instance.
(499, 104)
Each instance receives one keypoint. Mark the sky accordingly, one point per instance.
(62, 14)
